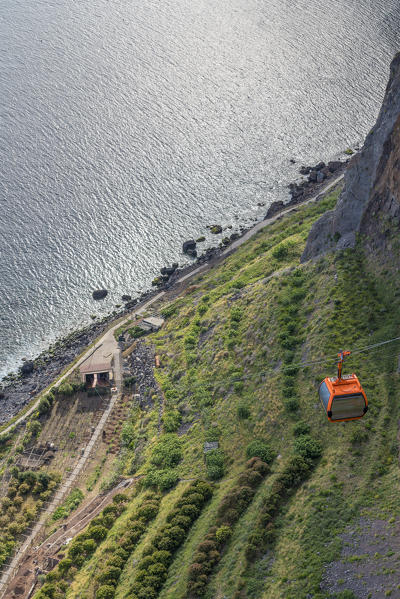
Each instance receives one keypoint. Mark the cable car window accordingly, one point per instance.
(324, 394)
(348, 406)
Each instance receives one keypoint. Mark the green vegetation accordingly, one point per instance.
(235, 502)
(231, 352)
(26, 493)
(152, 569)
(70, 504)
(81, 550)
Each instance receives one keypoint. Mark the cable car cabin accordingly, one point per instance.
(343, 397)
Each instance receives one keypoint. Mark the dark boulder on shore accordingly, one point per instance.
(131, 304)
(334, 165)
(27, 367)
(274, 209)
(312, 177)
(189, 245)
(168, 270)
(305, 170)
(126, 298)
(99, 294)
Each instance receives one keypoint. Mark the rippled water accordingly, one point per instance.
(127, 127)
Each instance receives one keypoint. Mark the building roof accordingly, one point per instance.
(153, 321)
(100, 361)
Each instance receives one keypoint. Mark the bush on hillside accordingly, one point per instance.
(215, 460)
(233, 504)
(168, 451)
(301, 428)
(260, 449)
(105, 591)
(161, 479)
(307, 447)
(172, 420)
(243, 411)
(65, 389)
(291, 404)
(44, 406)
(151, 571)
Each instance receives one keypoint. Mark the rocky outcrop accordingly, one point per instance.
(370, 202)
(189, 248)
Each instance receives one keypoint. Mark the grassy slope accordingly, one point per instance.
(221, 347)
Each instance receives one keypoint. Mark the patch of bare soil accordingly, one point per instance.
(370, 561)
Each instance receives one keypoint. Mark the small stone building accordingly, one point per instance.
(151, 323)
(97, 370)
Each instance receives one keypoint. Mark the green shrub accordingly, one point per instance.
(148, 510)
(307, 447)
(243, 411)
(215, 464)
(98, 532)
(110, 574)
(65, 564)
(236, 314)
(260, 449)
(358, 436)
(65, 389)
(222, 534)
(172, 420)
(280, 251)
(192, 497)
(169, 311)
(105, 591)
(117, 561)
(89, 546)
(162, 557)
(301, 428)
(136, 332)
(202, 309)
(291, 404)
(162, 479)
(152, 568)
(44, 406)
(168, 451)
(238, 387)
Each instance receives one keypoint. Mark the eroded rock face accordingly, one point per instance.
(371, 183)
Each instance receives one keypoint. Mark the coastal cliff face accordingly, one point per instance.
(370, 202)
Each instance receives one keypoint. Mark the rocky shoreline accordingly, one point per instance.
(17, 390)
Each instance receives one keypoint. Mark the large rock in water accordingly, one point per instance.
(99, 294)
(372, 186)
(189, 245)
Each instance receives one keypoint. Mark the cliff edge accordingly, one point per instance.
(370, 202)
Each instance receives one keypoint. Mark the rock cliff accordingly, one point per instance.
(370, 202)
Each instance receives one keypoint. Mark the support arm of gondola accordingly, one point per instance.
(341, 355)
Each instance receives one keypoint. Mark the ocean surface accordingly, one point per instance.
(127, 127)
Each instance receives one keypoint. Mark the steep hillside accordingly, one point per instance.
(370, 203)
(317, 495)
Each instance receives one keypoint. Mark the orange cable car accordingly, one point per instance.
(343, 397)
